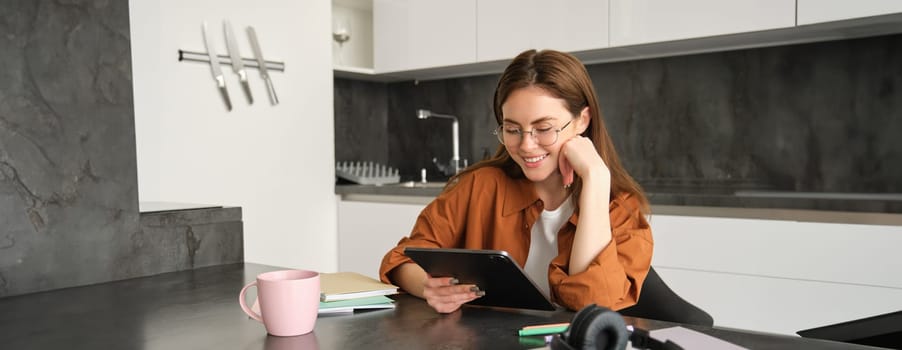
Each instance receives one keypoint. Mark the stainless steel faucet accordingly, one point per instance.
(453, 166)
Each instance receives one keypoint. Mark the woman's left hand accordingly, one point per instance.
(582, 157)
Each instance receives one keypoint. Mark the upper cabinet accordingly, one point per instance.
(352, 35)
(434, 39)
(417, 34)
(646, 21)
(818, 11)
(507, 27)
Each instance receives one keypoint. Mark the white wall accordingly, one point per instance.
(276, 162)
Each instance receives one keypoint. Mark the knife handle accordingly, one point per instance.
(247, 92)
(272, 92)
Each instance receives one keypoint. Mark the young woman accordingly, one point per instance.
(554, 196)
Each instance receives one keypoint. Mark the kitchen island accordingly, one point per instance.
(752, 267)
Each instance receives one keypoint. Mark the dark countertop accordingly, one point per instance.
(855, 208)
(198, 309)
(189, 215)
(846, 202)
(154, 206)
(391, 190)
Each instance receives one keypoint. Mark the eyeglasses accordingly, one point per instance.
(511, 136)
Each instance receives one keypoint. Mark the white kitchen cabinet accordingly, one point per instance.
(779, 276)
(817, 11)
(355, 19)
(648, 21)
(367, 230)
(507, 27)
(419, 34)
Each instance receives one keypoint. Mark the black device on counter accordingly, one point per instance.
(883, 330)
(493, 271)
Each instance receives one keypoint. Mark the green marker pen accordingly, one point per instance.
(543, 329)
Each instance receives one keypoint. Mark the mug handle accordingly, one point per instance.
(243, 303)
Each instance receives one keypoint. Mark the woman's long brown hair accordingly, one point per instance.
(565, 77)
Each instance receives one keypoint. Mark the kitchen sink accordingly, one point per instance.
(417, 184)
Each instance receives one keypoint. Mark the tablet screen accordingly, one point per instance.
(494, 271)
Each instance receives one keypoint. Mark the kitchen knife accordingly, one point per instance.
(237, 62)
(255, 45)
(214, 67)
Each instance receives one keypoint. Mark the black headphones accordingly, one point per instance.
(595, 327)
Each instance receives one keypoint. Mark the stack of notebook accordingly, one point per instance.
(349, 291)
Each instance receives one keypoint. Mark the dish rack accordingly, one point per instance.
(367, 173)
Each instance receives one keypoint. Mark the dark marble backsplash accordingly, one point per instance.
(68, 182)
(68, 171)
(361, 121)
(821, 117)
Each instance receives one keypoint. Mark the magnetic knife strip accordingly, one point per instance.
(238, 63)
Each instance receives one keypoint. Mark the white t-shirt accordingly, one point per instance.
(543, 243)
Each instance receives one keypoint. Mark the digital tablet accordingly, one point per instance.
(494, 271)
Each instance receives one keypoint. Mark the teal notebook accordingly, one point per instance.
(349, 305)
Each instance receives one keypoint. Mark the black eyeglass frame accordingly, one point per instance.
(532, 133)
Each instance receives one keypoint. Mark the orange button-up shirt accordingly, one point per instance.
(487, 209)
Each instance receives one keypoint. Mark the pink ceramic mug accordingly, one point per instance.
(289, 301)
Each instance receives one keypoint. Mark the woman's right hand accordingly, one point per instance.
(445, 295)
